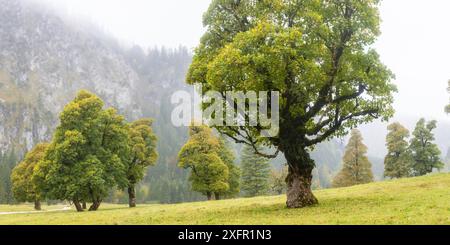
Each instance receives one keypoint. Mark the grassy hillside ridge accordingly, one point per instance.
(423, 200)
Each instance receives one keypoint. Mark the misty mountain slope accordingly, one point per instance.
(43, 63)
(45, 60)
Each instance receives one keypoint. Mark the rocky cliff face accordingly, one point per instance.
(44, 61)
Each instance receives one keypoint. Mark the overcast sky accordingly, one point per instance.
(415, 43)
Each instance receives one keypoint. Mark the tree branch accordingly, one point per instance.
(248, 140)
(339, 123)
(361, 89)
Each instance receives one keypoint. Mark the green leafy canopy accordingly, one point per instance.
(315, 53)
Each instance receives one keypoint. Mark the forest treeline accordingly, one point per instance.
(94, 151)
(161, 70)
(405, 158)
(318, 55)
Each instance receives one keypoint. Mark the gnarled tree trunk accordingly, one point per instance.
(96, 201)
(217, 196)
(37, 205)
(209, 196)
(78, 205)
(299, 192)
(131, 196)
(84, 205)
(95, 205)
(299, 179)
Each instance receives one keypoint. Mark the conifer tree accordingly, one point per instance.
(426, 154)
(255, 173)
(356, 166)
(398, 161)
(234, 178)
(7, 163)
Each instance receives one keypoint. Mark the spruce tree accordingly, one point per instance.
(7, 163)
(397, 163)
(426, 154)
(255, 173)
(356, 166)
(228, 157)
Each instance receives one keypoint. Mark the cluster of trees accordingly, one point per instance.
(317, 54)
(92, 151)
(162, 72)
(419, 156)
(214, 172)
(406, 157)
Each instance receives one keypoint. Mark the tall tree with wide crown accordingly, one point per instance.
(316, 54)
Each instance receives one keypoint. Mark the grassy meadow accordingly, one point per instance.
(423, 200)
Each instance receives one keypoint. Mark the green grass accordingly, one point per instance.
(424, 200)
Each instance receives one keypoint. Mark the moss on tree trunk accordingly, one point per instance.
(299, 179)
(299, 192)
